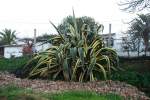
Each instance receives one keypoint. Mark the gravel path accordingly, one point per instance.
(117, 87)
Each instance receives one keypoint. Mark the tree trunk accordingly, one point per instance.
(138, 48)
(128, 53)
(146, 48)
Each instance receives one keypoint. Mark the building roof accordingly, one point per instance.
(13, 45)
(105, 35)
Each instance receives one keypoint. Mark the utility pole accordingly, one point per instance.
(109, 36)
(34, 42)
(34, 37)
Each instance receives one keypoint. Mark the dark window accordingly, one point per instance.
(1, 51)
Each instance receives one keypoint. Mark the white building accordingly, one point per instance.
(117, 44)
(16, 50)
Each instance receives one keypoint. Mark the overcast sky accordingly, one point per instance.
(25, 15)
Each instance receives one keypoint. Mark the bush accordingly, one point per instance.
(133, 59)
(140, 80)
(79, 55)
(13, 63)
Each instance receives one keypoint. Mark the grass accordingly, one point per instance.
(15, 93)
(84, 95)
(136, 73)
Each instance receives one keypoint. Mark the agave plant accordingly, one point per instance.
(76, 57)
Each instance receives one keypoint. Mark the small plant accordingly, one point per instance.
(75, 57)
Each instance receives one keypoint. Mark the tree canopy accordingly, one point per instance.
(7, 36)
(135, 5)
(140, 29)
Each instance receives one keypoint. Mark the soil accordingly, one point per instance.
(120, 88)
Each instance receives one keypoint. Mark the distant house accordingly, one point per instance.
(1, 51)
(118, 44)
(16, 50)
(105, 38)
(116, 41)
(9, 51)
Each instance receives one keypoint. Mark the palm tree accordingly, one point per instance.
(140, 28)
(7, 36)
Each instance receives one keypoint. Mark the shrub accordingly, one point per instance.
(75, 57)
(140, 80)
(13, 63)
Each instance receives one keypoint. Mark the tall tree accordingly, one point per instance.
(140, 28)
(131, 44)
(7, 36)
(135, 5)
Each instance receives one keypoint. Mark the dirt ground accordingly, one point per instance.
(116, 87)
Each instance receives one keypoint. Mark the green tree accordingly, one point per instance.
(7, 36)
(131, 45)
(135, 5)
(140, 29)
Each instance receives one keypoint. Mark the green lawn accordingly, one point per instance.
(14, 93)
(84, 95)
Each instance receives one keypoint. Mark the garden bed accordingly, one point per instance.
(116, 87)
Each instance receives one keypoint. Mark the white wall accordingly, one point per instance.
(43, 47)
(118, 47)
(15, 51)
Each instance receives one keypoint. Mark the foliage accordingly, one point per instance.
(136, 60)
(64, 26)
(133, 78)
(140, 29)
(135, 5)
(7, 37)
(129, 44)
(75, 57)
(126, 45)
(136, 72)
(12, 63)
(16, 93)
(140, 80)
